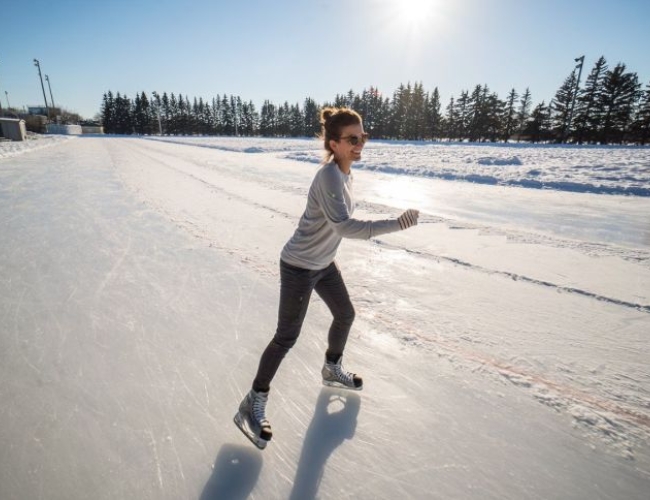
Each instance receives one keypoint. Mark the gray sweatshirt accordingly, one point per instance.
(327, 220)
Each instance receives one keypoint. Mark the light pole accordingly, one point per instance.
(580, 60)
(1, 103)
(7, 97)
(38, 65)
(47, 78)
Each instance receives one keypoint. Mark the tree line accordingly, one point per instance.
(610, 107)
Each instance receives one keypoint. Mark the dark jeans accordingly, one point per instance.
(295, 290)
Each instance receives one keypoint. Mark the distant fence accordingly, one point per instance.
(53, 128)
(89, 129)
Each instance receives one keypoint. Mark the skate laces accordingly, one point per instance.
(343, 376)
(259, 408)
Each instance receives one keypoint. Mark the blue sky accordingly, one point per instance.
(286, 50)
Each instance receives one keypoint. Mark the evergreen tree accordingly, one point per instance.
(166, 113)
(452, 121)
(376, 112)
(494, 110)
(561, 107)
(523, 112)
(397, 125)
(217, 124)
(416, 122)
(108, 113)
(190, 123)
(172, 119)
(227, 116)
(268, 120)
(344, 100)
(350, 98)
(479, 114)
(464, 113)
(641, 125)
(538, 128)
(284, 120)
(433, 116)
(141, 114)
(249, 120)
(296, 121)
(588, 116)
(196, 116)
(311, 118)
(204, 117)
(236, 105)
(156, 110)
(510, 116)
(180, 120)
(619, 95)
(123, 115)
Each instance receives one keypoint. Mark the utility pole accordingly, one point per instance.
(580, 60)
(38, 65)
(1, 102)
(51, 97)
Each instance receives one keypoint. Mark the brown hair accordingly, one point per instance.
(332, 121)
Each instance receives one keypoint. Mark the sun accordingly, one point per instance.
(415, 13)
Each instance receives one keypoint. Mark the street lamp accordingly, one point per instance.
(7, 97)
(1, 103)
(47, 78)
(38, 65)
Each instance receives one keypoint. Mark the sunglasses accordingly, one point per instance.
(356, 139)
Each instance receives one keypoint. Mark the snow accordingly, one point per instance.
(561, 167)
(9, 149)
(502, 341)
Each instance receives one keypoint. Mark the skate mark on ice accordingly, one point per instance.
(173, 165)
(518, 277)
(608, 415)
(114, 269)
(512, 235)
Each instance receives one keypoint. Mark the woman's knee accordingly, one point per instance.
(346, 316)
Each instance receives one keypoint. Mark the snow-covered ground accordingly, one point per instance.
(592, 169)
(503, 341)
(9, 148)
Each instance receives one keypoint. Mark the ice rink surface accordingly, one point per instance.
(139, 285)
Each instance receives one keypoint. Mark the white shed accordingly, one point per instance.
(13, 129)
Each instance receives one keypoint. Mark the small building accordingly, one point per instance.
(13, 129)
(37, 110)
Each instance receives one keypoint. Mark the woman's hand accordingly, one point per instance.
(408, 218)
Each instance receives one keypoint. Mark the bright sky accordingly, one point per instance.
(287, 50)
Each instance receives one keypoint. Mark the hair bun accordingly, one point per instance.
(326, 114)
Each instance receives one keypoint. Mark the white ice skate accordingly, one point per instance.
(251, 418)
(335, 376)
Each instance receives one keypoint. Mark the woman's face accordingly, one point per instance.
(345, 151)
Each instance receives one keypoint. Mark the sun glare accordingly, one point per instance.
(415, 13)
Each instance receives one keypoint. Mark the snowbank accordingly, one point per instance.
(9, 149)
(584, 169)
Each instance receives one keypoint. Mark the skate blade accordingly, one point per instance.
(241, 423)
(339, 385)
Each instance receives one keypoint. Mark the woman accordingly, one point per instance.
(307, 264)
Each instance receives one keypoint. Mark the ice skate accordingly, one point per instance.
(335, 376)
(251, 418)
